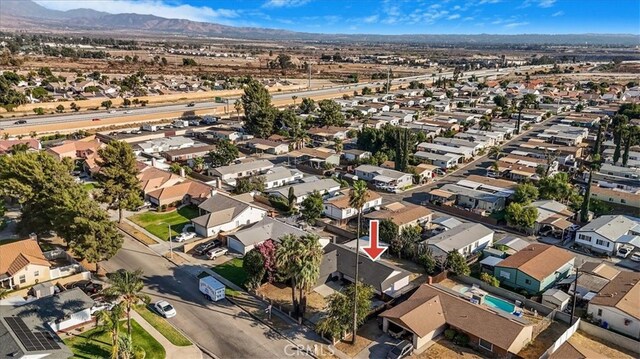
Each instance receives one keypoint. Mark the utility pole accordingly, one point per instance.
(575, 293)
(170, 242)
(309, 77)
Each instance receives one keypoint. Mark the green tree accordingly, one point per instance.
(427, 260)
(584, 209)
(127, 286)
(96, 237)
(237, 105)
(59, 109)
(308, 105)
(298, 261)
(519, 216)
(495, 152)
(224, 153)
(500, 101)
(338, 315)
(258, 110)
(632, 139)
(456, 263)
(489, 279)
(330, 114)
(358, 196)
(405, 244)
(198, 164)
(311, 207)
(525, 193)
(118, 177)
(74, 107)
(126, 102)
(557, 187)
(366, 91)
(39, 92)
(109, 321)
(38, 111)
(388, 231)
(106, 104)
(526, 101)
(253, 264)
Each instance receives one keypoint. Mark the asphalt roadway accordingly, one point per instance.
(150, 113)
(221, 328)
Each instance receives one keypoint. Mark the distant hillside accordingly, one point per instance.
(28, 15)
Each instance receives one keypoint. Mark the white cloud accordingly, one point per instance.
(557, 13)
(511, 25)
(457, 7)
(146, 7)
(468, 18)
(482, 2)
(546, 3)
(370, 19)
(453, 17)
(285, 3)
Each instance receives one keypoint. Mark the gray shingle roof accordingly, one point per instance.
(268, 228)
(459, 236)
(611, 227)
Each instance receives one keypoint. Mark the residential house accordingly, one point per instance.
(425, 172)
(22, 264)
(460, 143)
(612, 176)
(164, 144)
(473, 198)
(325, 186)
(221, 213)
(552, 215)
(317, 158)
(616, 305)
(403, 215)
(338, 207)
(339, 261)
(606, 234)
(328, 133)
(77, 149)
(384, 178)
(186, 192)
(280, 176)
(152, 178)
(245, 239)
(432, 309)
(229, 174)
(7, 145)
(354, 155)
(465, 152)
(465, 238)
(224, 134)
(592, 277)
(535, 268)
(620, 198)
(189, 153)
(267, 146)
(565, 134)
(445, 162)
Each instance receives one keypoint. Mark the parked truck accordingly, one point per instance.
(212, 289)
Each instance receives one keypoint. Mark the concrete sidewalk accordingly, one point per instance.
(172, 351)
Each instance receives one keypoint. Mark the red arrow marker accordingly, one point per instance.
(373, 251)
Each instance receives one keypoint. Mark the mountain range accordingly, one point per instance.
(28, 15)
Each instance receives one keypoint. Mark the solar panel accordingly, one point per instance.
(32, 341)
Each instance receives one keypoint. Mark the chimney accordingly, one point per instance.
(182, 173)
(214, 192)
(153, 162)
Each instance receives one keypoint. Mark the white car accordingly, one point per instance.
(217, 252)
(113, 111)
(165, 309)
(184, 236)
(624, 251)
(635, 257)
(127, 112)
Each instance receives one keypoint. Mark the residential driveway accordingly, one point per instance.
(378, 349)
(219, 328)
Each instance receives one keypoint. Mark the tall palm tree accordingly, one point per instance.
(238, 107)
(294, 98)
(198, 164)
(495, 152)
(357, 199)
(110, 320)
(309, 270)
(128, 287)
(288, 264)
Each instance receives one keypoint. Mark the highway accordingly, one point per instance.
(79, 120)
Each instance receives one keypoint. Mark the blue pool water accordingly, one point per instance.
(498, 303)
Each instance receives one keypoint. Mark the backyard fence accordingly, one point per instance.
(611, 337)
(563, 338)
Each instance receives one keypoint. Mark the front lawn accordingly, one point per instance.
(161, 325)
(158, 223)
(95, 344)
(233, 271)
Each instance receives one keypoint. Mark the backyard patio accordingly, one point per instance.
(157, 223)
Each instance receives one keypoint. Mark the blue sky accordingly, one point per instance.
(392, 16)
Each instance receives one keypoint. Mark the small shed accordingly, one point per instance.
(556, 298)
(488, 263)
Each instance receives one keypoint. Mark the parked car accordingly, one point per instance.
(624, 251)
(396, 332)
(145, 205)
(205, 247)
(113, 111)
(20, 122)
(191, 104)
(127, 111)
(95, 119)
(635, 257)
(184, 237)
(87, 286)
(217, 252)
(401, 350)
(165, 309)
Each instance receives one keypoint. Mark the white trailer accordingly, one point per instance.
(212, 289)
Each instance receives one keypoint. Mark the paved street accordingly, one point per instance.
(220, 328)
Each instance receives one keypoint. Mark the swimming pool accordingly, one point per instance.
(498, 303)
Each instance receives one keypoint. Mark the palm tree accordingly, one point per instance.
(238, 107)
(495, 152)
(4, 292)
(111, 322)
(338, 145)
(128, 287)
(357, 199)
(309, 268)
(294, 98)
(198, 164)
(288, 264)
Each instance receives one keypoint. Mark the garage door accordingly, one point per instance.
(235, 245)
